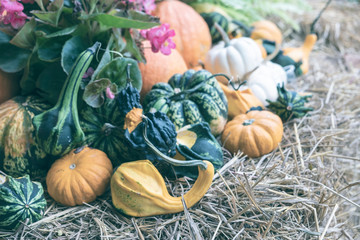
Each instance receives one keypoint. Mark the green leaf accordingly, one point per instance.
(49, 50)
(31, 72)
(116, 72)
(132, 47)
(118, 22)
(71, 49)
(53, 14)
(13, 58)
(94, 92)
(63, 32)
(105, 59)
(49, 81)
(41, 4)
(25, 38)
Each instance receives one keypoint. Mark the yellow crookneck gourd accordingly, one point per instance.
(139, 190)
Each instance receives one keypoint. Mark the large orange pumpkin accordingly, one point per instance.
(255, 133)
(9, 86)
(79, 176)
(159, 67)
(192, 38)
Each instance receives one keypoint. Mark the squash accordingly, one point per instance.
(235, 57)
(79, 176)
(159, 67)
(192, 38)
(264, 80)
(289, 104)
(19, 154)
(20, 199)
(240, 101)
(296, 56)
(255, 133)
(138, 189)
(196, 142)
(9, 85)
(259, 30)
(215, 17)
(192, 97)
(58, 129)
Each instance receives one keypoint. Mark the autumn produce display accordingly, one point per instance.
(114, 97)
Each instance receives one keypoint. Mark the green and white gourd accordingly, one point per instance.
(20, 199)
(190, 98)
(289, 104)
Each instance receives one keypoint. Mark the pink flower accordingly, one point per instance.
(11, 12)
(148, 5)
(89, 72)
(109, 93)
(160, 38)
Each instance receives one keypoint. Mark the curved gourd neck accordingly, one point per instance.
(223, 34)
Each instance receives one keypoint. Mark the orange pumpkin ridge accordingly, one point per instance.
(159, 67)
(192, 34)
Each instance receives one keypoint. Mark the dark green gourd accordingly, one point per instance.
(20, 199)
(58, 129)
(190, 98)
(214, 17)
(289, 104)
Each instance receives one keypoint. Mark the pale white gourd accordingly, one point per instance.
(264, 80)
(234, 57)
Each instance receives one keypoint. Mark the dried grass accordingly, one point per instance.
(309, 188)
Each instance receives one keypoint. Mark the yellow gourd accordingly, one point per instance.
(138, 189)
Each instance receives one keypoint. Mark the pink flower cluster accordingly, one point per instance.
(11, 12)
(160, 38)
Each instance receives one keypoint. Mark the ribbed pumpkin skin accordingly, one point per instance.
(192, 38)
(19, 154)
(190, 98)
(159, 67)
(20, 199)
(253, 138)
(103, 129)
(79, 176)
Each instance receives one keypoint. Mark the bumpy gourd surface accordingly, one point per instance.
(190, 98)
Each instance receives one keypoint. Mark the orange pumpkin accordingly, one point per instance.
(79, 176)
(240, 101)
(9, 86)
(265, 29)
(255, 133)
(192, 38)
(159, 67)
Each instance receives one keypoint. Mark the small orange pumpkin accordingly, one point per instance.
(240, 101)
(79, 176)
(159, 67)
(192, 34)
(255, 133)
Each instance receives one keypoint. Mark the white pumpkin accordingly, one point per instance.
(234, 57)
(264, 80)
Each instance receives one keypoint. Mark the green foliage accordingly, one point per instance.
(248, 11)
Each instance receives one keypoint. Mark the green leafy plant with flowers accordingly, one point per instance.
(42, 38)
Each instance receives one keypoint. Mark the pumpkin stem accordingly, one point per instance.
(248, 122)
(223, 34)
(128, 79)
(229, 80)
(170, 160)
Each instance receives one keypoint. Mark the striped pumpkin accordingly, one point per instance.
(19, 154)
(190, 98)
(289, 104)
(20, 199)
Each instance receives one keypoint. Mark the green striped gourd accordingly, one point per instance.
(20, 199)
(19, 154)
(58, 129)
(192, 97)
(289, 104)
(215, 17)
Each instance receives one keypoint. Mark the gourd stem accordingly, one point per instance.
(128, 79)
(247, 30)
(168, 159)
(223, 34)
(186, 92)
